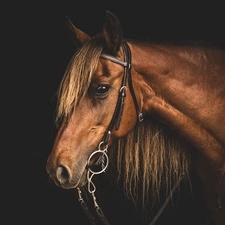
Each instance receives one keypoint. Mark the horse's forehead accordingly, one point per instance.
(106, 68)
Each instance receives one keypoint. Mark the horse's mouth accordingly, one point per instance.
(83, 179)
(68, 176)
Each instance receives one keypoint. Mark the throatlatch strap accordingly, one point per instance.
(128, 55)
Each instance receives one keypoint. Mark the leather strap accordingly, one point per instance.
(118, 112)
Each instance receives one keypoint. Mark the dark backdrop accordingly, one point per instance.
(40, 49)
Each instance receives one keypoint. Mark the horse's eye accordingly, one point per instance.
(102, 90)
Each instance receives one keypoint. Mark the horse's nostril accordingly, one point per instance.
(62, 175)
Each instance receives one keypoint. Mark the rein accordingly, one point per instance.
(102, 162)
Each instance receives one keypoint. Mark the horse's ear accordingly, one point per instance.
(79, 38)
(112, 32)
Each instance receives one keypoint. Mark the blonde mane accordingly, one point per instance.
(150, 157)
(78, 77)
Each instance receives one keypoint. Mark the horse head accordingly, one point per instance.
(94, 96)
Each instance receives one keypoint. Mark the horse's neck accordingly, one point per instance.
(179, 88)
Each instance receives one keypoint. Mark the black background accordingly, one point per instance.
(38, 49)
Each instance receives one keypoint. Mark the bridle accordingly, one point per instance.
(116, 119)
(103, 160)
(101, 153)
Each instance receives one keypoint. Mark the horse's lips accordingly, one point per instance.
(83, 179)
(79, 180)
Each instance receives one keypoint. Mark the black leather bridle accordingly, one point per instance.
(116, 118)
(114, 123)
(103, 145)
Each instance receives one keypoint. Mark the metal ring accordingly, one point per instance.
(104, 164)
(99, 146)
(123, 87)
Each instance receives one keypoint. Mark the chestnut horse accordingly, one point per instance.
(156, 110)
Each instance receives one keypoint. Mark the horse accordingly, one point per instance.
(153, 110)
